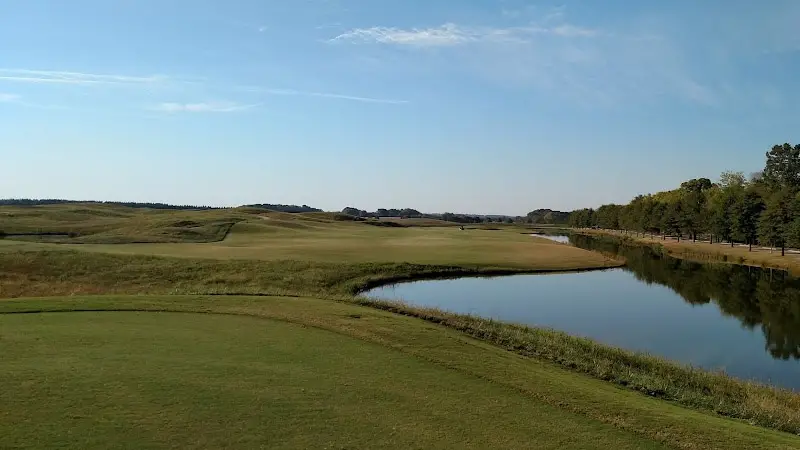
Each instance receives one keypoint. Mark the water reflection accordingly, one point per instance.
(553, 237)
(759, 298)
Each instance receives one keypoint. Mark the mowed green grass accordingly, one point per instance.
(277, 236)
(238, 375)
(223, 372)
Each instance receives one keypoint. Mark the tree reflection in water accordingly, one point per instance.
(767, 298)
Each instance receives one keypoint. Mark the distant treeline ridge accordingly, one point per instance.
(539, 216)
(40, 202)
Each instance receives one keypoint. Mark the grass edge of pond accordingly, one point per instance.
(715, 392)
(59, 272)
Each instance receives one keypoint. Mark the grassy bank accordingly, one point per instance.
(78, 273)
(703, 251)
(307, 373)
(653, 376)
(303, 256)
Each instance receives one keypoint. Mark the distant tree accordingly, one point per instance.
(656, 219)
(782, 169)
(793, 228)
(355, 212)
(773, 225)
(40, 202)
(608, 216)
(409, 213)
(722, 202)
(673, 219)
(721, 210)
(695, 218)
(732, 180)
(549, 216)
(285, 208)
(581, 218)
(747, 210)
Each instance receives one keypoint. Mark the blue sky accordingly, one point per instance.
(482, 106)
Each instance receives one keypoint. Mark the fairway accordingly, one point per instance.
(143, 344)
(275, 237)
(304, 373)
(199, 381)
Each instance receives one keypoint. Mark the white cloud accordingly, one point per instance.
(17, 100)
(450, 34)
(446, 35)
(63, 77)
(8, 98)
(329, 95)
(203, 107)
(588, 65)
(262, 29)
(567, 30)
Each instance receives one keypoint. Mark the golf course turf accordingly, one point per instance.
(121, 345)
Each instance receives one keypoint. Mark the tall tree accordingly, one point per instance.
(773, 226)
(722, 201)
(793, 229)
(672, 219)
(746, 212)
(695, 214)
(732, 179)
(782, 169)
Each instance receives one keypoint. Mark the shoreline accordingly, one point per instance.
(458, 273)
(704, 252)
(713, 392)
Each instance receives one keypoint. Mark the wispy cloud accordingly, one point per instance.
(328, 95)
(203, 107)
(450, 34)
(586, 64)
(8, 98)
(17, 100)
(446, 35)
(79, 78)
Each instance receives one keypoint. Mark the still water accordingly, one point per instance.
(745, 321)
(554, 237)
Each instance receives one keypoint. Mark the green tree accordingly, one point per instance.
(722, 202)
(732, 180)
(672, 219)
(782, 169)
(773, 226)
(793, 229)
(695, 213)
(745, 218)
(608, 216)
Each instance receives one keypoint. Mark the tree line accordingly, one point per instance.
(763, 209)
(539, 216)
(148, 205)
(284, 208)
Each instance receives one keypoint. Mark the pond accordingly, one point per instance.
(743, 320)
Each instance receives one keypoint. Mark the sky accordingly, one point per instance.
(471, 106)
